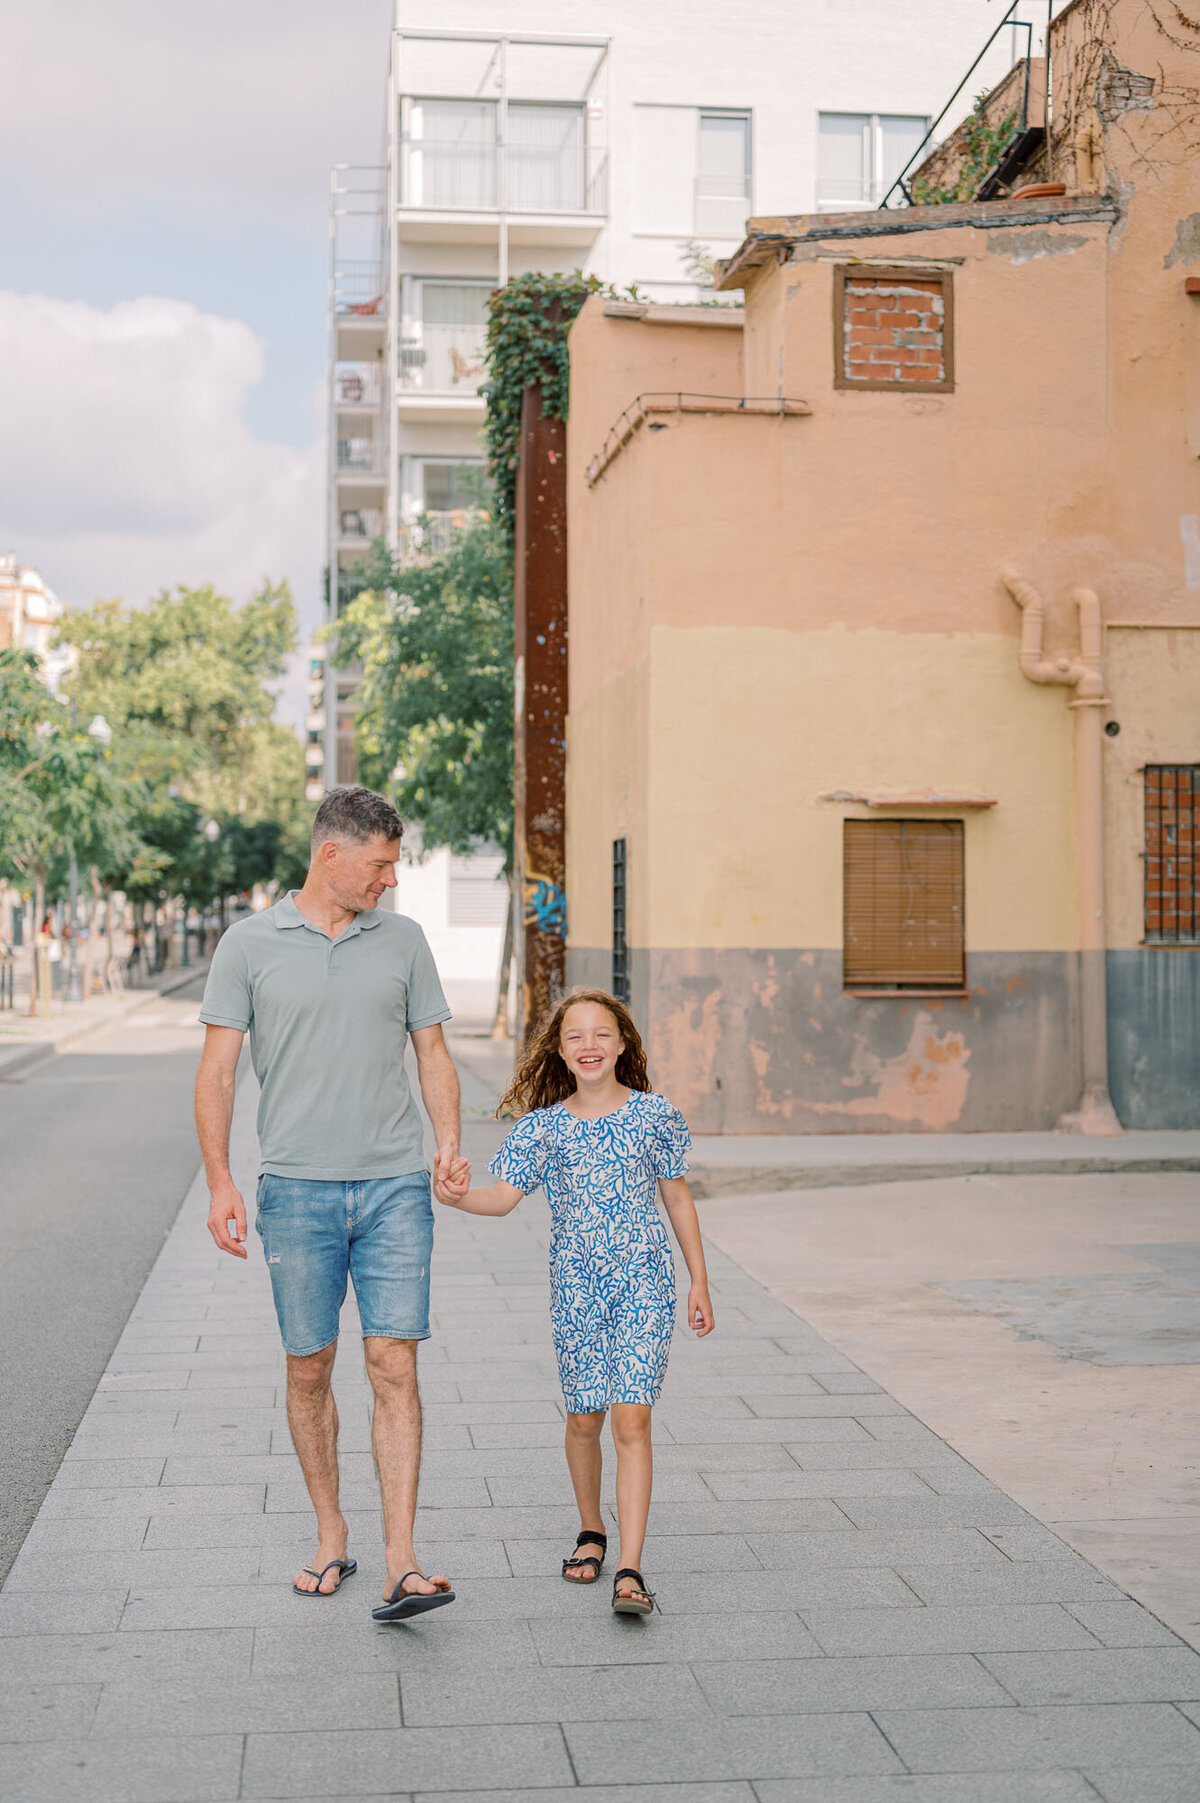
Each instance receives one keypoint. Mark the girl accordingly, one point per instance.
(595, 1134)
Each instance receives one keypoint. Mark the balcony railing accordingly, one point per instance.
(433, 534)
(357, 385)
(365, 523)
(448, 360)
(360, 454)
(358, 289)
(441, 175)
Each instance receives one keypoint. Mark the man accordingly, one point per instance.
(329, 990)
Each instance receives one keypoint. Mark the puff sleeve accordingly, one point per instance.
(525, 1152)
(670, 1141)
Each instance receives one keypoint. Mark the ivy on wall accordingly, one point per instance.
(528, 322)
(977, 146)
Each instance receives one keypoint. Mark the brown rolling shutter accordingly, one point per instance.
(903, 904)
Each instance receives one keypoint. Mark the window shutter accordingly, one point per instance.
(903, 901)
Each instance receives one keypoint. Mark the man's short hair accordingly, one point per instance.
(357, 814)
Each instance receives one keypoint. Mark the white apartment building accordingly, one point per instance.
(29, 615)
(612, 136)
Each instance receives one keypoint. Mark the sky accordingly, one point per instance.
(164, 188)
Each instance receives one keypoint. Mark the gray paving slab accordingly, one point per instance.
(69, 1658)
(356, 1644)
(1122, 1623)
(997, 1740)
(1145, 1784)
(604, 1793)
(1051, 1581)
(47, 1573)
(41, 1611)
(47, 1711)
(1130, 1675)
(1025, 1787)
(607, 1693)
(768, 1747)
(795, 1686)
(283, 1705)
(903, 1546)
(624, 1640)
(989, 1628)
(321, 1765)
(200, 1769)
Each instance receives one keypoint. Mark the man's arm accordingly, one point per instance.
(440, 1094)
(214, 1111)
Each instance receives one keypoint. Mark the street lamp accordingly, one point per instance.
(102, 732)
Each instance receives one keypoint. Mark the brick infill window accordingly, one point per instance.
(893, 329)
(1172, 841)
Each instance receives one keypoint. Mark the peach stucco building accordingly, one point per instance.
(869, 848)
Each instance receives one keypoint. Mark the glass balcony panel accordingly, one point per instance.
(356, 454)
(546, 168)
(451, 161)
(357, 384)
(365, 523)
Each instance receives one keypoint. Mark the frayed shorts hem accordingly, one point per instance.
(395, 1333)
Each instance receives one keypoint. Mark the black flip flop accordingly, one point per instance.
(347, 1567)
(404, 1603)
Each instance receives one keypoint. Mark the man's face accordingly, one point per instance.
(358, 874)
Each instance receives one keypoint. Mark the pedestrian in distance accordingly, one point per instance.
(602, 1142)
(329, 989)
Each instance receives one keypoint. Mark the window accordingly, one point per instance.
(620, 949)
(903, 904)
(723, 174)
(450, 487)
(859, 156)
(544, 165)
(892, 328)
(1172, 796)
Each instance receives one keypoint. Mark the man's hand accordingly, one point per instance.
(450, 1165)
(451, 1187)
(227, 1207)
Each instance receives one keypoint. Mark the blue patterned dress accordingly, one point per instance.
(612, 1275)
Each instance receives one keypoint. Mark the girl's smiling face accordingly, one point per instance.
(590, 1044)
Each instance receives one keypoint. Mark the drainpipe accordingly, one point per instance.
(1085, 675)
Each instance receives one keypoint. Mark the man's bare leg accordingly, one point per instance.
(396, 1442)
(313, 1419)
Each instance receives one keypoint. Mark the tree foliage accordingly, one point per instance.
(435, 705)
(977, 147)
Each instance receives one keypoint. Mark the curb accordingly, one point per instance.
(22, 1060)
(709, 1181)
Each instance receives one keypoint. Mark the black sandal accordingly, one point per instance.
(642, 1600)
(569, 1565)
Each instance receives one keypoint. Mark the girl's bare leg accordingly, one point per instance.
(635, 1477)
(585, 1462)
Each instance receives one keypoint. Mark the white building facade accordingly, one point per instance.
(612, 136)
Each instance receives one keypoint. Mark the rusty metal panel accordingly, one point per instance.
(540, 760)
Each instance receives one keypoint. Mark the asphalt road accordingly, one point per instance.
(97, 1150)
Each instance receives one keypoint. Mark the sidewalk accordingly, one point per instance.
(26, 1040)
(850, 1612)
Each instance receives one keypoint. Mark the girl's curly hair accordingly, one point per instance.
(542, 1078)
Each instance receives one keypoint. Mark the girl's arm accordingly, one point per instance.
(498, 1199)
(681, 1211)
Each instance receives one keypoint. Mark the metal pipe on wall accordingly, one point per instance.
(1084, 674)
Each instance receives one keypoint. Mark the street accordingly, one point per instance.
(97, 1148)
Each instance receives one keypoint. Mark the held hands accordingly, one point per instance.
(227, 1220)
(451, 1177)
(700, 1310)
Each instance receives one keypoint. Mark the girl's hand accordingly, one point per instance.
(700, 1310)
(451, 1188)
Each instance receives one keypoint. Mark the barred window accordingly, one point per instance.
(620, 949)
(903, 905)
(1172, 795)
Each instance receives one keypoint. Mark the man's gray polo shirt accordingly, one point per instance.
(328, 1022)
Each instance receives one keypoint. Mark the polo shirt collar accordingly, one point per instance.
(286, 914)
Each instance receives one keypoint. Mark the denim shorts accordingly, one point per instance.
(378, 1231)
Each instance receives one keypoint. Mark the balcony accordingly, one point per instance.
(357, 385)
(442, 375)
(359, 457)
(433, 534)
(552, 193)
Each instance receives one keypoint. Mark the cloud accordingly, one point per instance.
(127, 464)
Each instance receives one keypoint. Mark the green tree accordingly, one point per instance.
(434, 710)
(58, 789)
